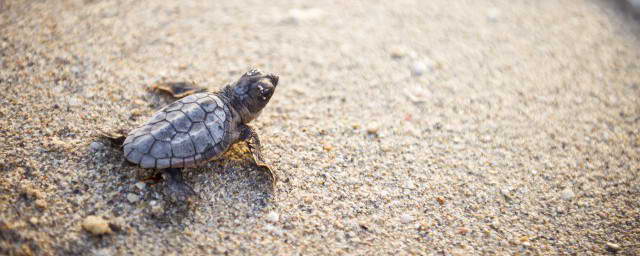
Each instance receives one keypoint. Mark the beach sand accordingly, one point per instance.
(399, 127)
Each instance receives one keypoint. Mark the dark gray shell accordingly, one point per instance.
(185, 133)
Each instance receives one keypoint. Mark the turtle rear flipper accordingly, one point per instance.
(176, 90)
(115, 137)
(176, 189)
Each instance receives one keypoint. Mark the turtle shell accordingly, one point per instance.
(185, 133)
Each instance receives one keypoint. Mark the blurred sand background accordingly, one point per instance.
(400, 127)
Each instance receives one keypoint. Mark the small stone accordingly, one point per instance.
(96, 146)
(73, 101)
(296, 15)
(157, 209)
(96, 225)
(411, 131)
(307, 199)
(103, 252)
(327, 147)
(493, 14)
(440, 200)
(567, 194)
(418, 68)
(459, 252)
(373, 131)
(42, 204)
(58, 89)
(416, 94)
(399, 52)
(273, 217)
(140, 185)
(133, 197)
(364, 225)
(424, 226)
(33, 220)
(406, 218)
(273, 229)
(613, 247)
(409, 184)
(463, 230)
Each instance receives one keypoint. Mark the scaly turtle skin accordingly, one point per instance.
(201, 127)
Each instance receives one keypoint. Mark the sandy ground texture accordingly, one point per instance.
(399, 127)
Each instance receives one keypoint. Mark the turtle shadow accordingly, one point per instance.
(223, 188)
(230, 186)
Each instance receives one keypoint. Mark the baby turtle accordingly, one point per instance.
(201, 127)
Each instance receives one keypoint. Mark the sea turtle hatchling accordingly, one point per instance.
(201, 127)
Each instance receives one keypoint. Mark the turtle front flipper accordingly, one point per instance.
(176, 189)
(251, 137)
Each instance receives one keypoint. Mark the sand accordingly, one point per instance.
(399, 127)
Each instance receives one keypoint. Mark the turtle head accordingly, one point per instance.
(251, 93)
